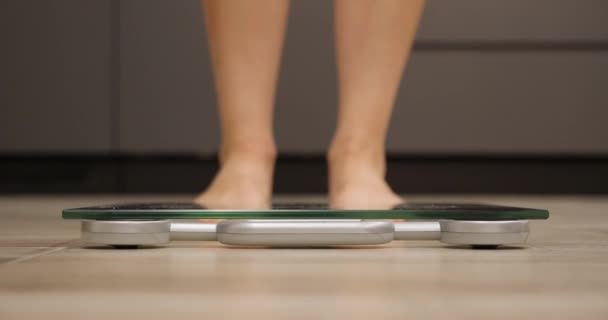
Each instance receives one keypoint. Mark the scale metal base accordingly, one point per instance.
(303, 233)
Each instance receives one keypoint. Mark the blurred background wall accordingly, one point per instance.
(106, 91)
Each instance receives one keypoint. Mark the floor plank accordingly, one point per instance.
(560, 274)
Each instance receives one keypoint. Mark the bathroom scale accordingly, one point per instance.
(304, 224)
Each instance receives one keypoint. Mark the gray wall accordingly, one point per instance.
(487, 76)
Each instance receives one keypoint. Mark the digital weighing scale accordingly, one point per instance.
(304, 225)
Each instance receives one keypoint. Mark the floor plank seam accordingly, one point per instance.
(53, 248)
(33, 256)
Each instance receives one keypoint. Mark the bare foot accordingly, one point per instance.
(243, 182)
(357, 182)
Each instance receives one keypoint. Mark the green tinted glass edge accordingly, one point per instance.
(521, 214)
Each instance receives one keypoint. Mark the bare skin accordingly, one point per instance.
(373, 41)
(245, 39)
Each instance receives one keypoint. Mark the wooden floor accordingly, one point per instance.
(561, 274)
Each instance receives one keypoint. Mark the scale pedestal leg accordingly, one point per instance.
(126, 233)
(483, 234)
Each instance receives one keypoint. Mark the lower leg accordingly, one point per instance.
(373, 41)
(245, 40)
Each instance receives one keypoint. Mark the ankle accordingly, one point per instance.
(347, 157)
(257, 153)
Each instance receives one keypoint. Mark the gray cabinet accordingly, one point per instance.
(450, 100)
(57, 94)
(54, 76)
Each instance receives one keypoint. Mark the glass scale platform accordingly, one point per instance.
(304, 225)
(412, 211)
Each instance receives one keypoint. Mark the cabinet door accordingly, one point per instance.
(530, 102)
(167, 99)
(515, 20)
(54, 76)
